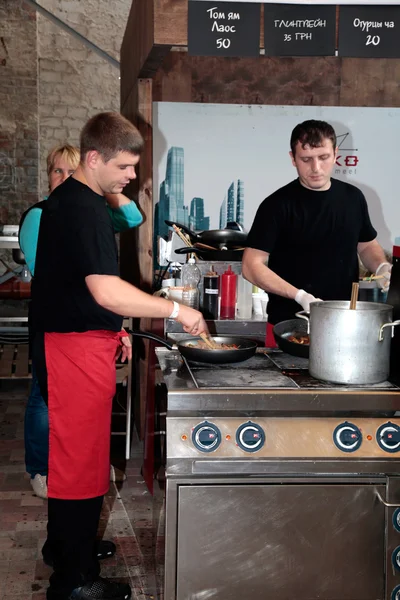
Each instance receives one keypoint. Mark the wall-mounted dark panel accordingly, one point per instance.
(299, 30)
(223, 28)
(369, 31)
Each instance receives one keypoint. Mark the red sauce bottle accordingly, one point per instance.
(228, 295)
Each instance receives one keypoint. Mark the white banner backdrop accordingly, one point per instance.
(226, 143)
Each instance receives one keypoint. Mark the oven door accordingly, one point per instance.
(308, 541)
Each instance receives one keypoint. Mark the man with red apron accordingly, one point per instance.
(77, 300)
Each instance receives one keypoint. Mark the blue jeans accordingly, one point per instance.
(36, 431)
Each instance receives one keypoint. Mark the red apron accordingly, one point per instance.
(81, 381)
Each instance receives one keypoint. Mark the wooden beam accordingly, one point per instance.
(137, 44)
(265, 80)
(170, 22)
(137, 245)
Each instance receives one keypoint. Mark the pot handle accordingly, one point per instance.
(304, 314)
(392, 325)
(149, 336)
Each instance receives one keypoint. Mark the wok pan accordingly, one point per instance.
(214, 237)
(212, 255)
(284, 330)
(247, 348)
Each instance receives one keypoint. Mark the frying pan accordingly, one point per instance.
(212, 255)
(247, 348)
(285, 329)
(214, 237)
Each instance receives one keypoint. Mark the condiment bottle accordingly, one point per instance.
(228, 294)
(244, 298)
(210, 295)
(190, 280)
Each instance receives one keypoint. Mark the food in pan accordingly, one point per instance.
(203, 346)
(299, 339)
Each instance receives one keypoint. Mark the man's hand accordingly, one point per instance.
(384, 271)
(125, 351)
(192, 320)
(305, 299)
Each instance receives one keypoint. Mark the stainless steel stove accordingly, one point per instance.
(278, 485)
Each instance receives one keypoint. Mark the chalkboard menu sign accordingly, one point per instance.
(369, 31)
(223, 28)
(299, 30)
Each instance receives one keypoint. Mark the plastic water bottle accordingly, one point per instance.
(190, 281)
(244, 298)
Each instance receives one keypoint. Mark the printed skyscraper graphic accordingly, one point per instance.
(231, 209)
(240, 202)
(171, 203)
(197, 220)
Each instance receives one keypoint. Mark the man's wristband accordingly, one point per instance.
(175, 311)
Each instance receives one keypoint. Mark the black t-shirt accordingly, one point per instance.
(76, 239)
(312, 239)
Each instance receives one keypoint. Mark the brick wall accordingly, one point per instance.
(74, 82)
(50, 84)
(19, 141)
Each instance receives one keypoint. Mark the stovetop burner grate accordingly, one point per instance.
(273, 370)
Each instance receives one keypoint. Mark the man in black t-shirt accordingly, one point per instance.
(305, 238)
(77, 303)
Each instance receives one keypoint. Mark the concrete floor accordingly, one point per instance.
(131, 517)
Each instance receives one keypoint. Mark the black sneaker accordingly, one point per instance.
(104, 549)
(101, 589)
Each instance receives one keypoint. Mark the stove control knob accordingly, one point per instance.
(396, 593)
(206, 437)
(396, 519)
(347, 437)
(396, 558)
(250, 437)
(388, 437)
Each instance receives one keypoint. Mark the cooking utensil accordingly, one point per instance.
(350, 346)
(204, 246)
(247, 348)
(183, 237)
(354, 296)
(210, 343)
(214, 237)
(285, 329)
(372, 278)
(213, 255)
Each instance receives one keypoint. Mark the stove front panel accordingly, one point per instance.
(308, 542)
(288, 437)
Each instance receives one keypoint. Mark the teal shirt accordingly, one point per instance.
(123, 218)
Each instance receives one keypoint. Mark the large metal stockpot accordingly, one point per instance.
(350, 346)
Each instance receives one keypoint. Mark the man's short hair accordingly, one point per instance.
(69, 153)
(110, 133)
(312, 133)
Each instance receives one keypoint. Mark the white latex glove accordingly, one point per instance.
(384, 270)
(305, 299)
